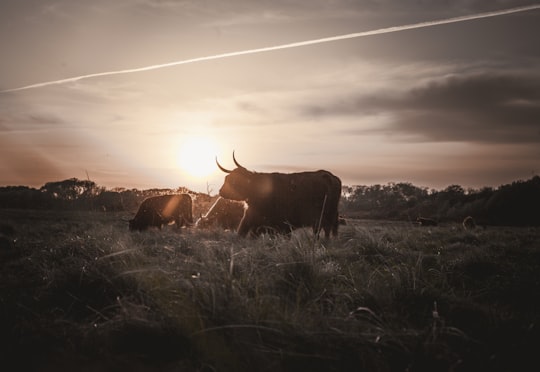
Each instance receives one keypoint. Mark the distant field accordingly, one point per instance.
(79, 291)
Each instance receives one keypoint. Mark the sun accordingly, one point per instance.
(196, 156)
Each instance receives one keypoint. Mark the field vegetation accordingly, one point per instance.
(78, 291)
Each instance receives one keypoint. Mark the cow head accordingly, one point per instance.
(243, 185)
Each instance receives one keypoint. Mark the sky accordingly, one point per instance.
(455, 103)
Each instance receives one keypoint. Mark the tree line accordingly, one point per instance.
(515, 204)
(75, 194)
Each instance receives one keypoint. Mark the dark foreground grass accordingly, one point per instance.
(79, 292)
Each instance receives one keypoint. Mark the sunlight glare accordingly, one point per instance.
(196, 156)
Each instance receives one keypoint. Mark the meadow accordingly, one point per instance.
(78, 291)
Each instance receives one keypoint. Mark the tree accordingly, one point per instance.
(71, 189)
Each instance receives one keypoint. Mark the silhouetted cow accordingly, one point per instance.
(422, 221)
(224, 213)
(280, 202)
(468, 223)
(160, 210)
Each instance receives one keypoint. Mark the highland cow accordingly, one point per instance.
(279, 202)
(161, 210)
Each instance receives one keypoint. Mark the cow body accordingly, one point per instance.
(224, 213)
(280, 202)
(161, 210)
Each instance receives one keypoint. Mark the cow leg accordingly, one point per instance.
(243, 228)
(316, 231)
(326, 232)
(335, 230)
(250, 223)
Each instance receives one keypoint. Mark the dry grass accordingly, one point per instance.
(79, 291)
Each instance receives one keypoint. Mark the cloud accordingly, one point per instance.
(266, 49)
(480, 108)
(20, 122)
(483, 107)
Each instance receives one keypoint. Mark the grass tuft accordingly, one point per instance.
(84, 291)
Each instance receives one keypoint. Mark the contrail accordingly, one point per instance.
(285, 46)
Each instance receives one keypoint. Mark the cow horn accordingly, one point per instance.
(220, 167)
(235, 162)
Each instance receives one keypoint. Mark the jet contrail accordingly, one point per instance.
(285, 46)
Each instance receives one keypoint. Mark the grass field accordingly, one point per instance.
(78, 291)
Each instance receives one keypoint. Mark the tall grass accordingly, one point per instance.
(81, 291)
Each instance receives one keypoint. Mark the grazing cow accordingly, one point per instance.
(160, 210)
(422, 221)
(224, 213)
(279, 202)
(468, 223)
